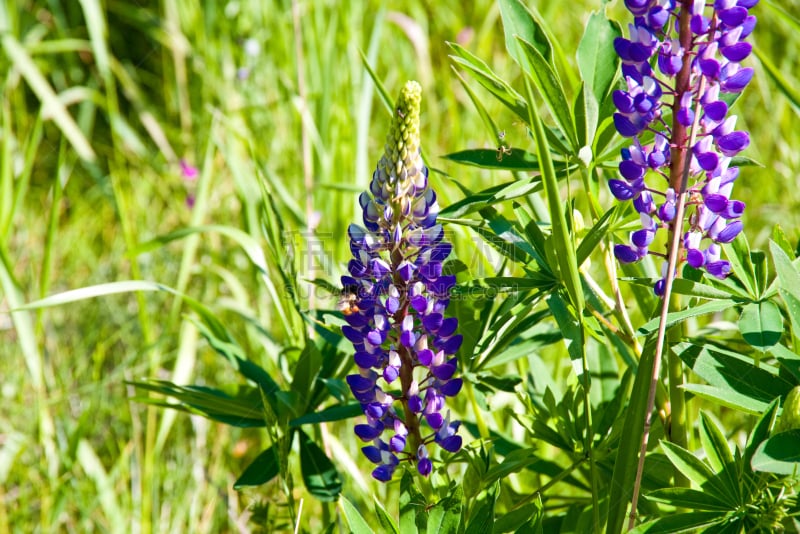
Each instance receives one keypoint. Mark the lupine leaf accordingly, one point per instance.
(596, 234)
(761, 324)
(387, 522)
(788, 360)
(738, 253)
(333, 413)
(789, 280)
(676, 317)
(719, 456)
(688, 498)
(445, 516)
(518, 21)
(243, 410)
(356, 522)
(546, 81)
(760, 432)
(261, 470)
(485, 158)
(675, 523)
(561, 239)
(489, 80)
(597, 60)
(696, 471)
(319, 474)
(732, 378)
(586, 113)
(690, 288)
(520, 518)
(412, 506)
(779, 454)
(482, 518)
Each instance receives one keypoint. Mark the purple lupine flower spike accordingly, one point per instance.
(698, 47)
(397, 324)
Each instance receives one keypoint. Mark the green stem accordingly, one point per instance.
(678, 429)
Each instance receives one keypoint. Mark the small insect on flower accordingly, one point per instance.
(348, 300)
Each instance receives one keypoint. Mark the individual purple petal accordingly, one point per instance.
(737, 52)
(415, 403)
(448, 327)
(397, 443)
(733, 143)
(451, 387)
(626, 254)
(716, 202)
(360, 383)
(695, 258)
(368, 432)
(383, 473)
(435, 420)
(738, 81)
(444, 372)
(451, 443)
(719, 269)
(372, 453)
(642, 238)
(734, 209)
(621, 190)
(716, 111)
(624, 126)
(424, 466)
(730, 232)
(451, 345)
(734, 16)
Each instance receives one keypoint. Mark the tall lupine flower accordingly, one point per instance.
(404, 345)
(689, 53)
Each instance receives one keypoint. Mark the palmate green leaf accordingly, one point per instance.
(489, 80)
(761, 324)
(789, 284)
(698, 472)
(779, 454)
(413, 516)
(523, 518)
(760, 432)
(738, 253)
(596, 234)
(733, 379)
(517, 160)
(518, 21)
(676, 317)
(356, 522)
(546, 81)
(598, 62)
(445, 516)
(563, 245)
(714, 443)
(688, 498)
(333, 413)
(719, 456)
(243, 410)
(572, 332)
(482, 518)
(486, 117)
(319, 474)
(487, 197)
(677, 523)
(387, 522)
(586, 113)
(788, 360)
(261, 470)
(691, 288)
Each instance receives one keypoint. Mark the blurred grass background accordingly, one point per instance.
(101, 100)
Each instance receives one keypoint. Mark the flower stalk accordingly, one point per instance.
(688, 51)
(399, 294)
